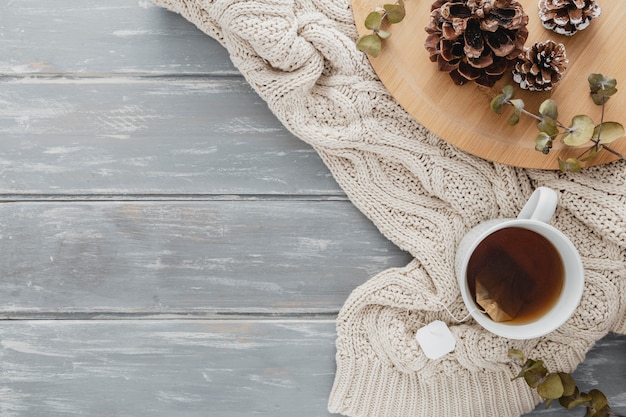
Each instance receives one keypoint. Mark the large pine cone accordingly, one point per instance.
(476, 40)
(541, 66)
(567, 17)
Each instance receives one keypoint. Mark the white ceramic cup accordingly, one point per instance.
(534, 216)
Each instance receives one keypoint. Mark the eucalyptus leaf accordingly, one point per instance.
(534, 372)
(580, 131)
(602, 88)
(532, 379)
(600, 82)
(595, 81)
(549, 109)
(608, 91)
(569, 386)
(497, 103)
(598, 399)
(551, 387)
(395, 12)
(600, 98)
(370, 44)
(518, 105)
(508, 91)
(543, 143)
(569, 165)
(536, 366)
(572, 402)
(548, 125)
(607, 132)
(516, 354)
(373, 21)
(525, 367)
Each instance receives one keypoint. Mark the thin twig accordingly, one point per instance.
(614, 152)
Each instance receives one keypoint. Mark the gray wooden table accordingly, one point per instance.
(167, 248)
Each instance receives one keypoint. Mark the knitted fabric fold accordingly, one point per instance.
(424, 195)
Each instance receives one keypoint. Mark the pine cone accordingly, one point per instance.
(476, 40)
(566, 17)
(541, 66)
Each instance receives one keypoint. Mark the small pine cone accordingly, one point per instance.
(541, 66)
(566, 17)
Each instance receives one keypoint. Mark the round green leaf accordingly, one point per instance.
(508, 91)
(516, 354)
(598, 399)
(600, 82)
(543, 143)
(535, 366)
(497, 103)
(373, 21)
(370, 44)
(595, 81)
(532, 379)
(569, 386)
(395, 12)
(548, 125)
(569, 165)
(518, 105)
(534, 372)
(551, 387)
(549, 109)
(602, 96)
(580, 132)
(571, 401)
(608, 131)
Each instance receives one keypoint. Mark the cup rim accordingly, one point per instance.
(568, 300)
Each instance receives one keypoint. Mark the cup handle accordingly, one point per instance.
(540, 206)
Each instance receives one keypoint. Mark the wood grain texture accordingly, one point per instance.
(91, 36)
(152, 368)
(137, 135)
(461, 115)
(196, 258)
(166, 368)
(147, 188)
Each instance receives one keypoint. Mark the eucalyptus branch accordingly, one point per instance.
(581, 130)
(372, 43)
(560, 386)
(613, 151)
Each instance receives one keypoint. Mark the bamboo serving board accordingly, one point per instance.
(461, 114)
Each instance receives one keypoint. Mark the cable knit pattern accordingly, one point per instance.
(424, 195)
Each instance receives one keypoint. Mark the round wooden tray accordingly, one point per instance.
(461, 114)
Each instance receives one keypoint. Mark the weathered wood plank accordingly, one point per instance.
(91, 36)
(149, 136)
(202, 258)
(165, 368)
(199, 368)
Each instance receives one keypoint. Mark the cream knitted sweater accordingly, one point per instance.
(423, 195)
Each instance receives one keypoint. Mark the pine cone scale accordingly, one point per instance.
(491, 32)
(567, 17)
